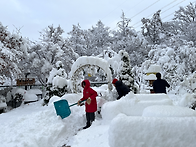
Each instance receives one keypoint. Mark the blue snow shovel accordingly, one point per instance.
(62, 108)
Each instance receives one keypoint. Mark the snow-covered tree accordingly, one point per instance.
(185, 18)
(125, 74)
(176, 63)
(126, 38)
(77, 41)
(12, 52)
(152, 28)
(57, 83)
(100, 38)
(186, 14)
(121, 37)
(188, 85)
(51, 48)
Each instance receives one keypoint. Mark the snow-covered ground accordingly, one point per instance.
(141, 120)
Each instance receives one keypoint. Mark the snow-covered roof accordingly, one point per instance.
(150, 77)
(154, 69)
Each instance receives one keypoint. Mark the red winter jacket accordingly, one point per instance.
(88, 92)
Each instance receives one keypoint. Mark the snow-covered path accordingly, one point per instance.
(33, 125)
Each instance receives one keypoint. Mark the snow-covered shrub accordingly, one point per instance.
(57, 82)
(15, 97)
(176, 64)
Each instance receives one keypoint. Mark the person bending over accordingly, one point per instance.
(121, 88)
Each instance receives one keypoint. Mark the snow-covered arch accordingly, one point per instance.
(91, 62)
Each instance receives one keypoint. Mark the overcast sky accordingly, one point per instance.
(32, 16)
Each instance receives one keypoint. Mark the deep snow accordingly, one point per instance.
(141, 120)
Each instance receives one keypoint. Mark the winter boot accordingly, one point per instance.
(88, 124)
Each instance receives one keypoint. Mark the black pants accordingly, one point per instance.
(90, 117)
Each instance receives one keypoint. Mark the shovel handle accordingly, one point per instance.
(76, 103)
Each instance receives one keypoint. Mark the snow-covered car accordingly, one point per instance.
(3, 104)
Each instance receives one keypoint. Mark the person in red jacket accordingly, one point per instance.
(91, 103)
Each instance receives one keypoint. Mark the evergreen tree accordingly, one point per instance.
(77, 40)
(125, 74)
(99, 38)
(152, 28)
(126, 38)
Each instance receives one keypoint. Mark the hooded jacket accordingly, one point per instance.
(88, 92)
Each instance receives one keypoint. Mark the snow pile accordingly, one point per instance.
(127, 131)
(187, 99)
(139, 120)
(33, 125)
(168, 111)
(133, 105)
(31, 95)
(59, 82)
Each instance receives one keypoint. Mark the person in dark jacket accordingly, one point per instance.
(121, 88)
(159, 85)
(91, 103)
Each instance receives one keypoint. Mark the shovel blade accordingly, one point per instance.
(62, 108)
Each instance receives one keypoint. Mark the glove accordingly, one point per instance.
(88, 101)
(79, 102)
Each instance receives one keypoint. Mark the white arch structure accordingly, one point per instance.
(89, 61)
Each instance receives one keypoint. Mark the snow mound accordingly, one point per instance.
(133, 105)
(30, 97)
(168, 111)
(126, 131)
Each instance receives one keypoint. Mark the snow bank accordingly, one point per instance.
(168, 111)
(133, 105)
(186, 100)
(40, 126)
(151, 97)
(126, 131)
(34, 91)
(30, 97)
(3, 105)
